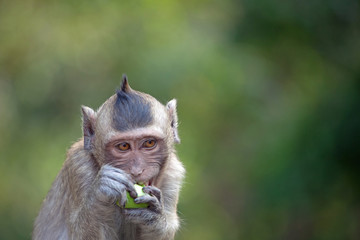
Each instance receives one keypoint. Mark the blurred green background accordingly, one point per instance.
(268, 101)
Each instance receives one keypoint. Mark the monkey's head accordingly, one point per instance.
(132, 131)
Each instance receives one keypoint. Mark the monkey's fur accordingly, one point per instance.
(96, 174)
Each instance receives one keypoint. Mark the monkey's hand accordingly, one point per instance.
(150, 215)
(112, 184)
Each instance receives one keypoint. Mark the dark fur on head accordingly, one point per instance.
(131, 110)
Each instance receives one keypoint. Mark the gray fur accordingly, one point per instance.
(81, 201)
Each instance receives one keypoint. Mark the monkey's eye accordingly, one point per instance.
(151, 143)
(123, 146)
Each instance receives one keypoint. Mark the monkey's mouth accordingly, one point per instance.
(147, 183)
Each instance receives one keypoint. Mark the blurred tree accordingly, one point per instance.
(268, 94)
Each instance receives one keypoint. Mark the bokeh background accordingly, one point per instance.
(268, 101)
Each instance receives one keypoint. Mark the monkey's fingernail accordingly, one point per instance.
(133, 194)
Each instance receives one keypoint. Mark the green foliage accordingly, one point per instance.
(268, 95)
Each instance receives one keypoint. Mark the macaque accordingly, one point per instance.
(129, 139)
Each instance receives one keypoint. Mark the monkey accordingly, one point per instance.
(130, 139)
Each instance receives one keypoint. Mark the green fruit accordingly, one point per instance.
(130, 201)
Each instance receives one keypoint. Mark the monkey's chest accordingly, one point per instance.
(128, 231)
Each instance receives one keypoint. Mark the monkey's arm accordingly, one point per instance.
(80, 202)
(95, 217)
(160, 220)
(166, 222)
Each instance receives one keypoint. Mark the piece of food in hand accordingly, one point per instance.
(130, 201)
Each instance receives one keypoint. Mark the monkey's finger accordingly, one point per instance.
(146, 199)
(127, 185)
(153, 202)
(122, 202)
(119, 176)
(113, 189)
(122, 175)
(108, 167)
(151, 190)
(108, 170)
(133, 194)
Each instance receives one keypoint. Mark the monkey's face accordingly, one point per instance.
(133, 132)
(141, 153)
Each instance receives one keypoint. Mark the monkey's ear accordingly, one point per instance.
(88, 117)
(171, 108)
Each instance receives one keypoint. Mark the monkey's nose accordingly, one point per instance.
(136, 172)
